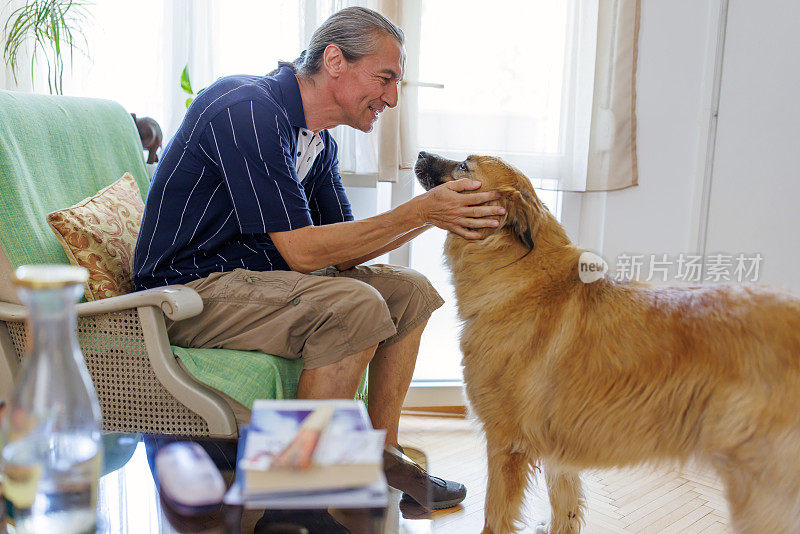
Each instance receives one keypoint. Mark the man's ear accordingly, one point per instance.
(333, 60)
(521, 215)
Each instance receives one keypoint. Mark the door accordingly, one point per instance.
(755, 184)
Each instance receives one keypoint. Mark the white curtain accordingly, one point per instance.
(23, 81)
(397, 147)
(126, 43)
(190, 26)
(521, 91)
(612, 162)
(547, 86)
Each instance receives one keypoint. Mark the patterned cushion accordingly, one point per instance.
(99, 233)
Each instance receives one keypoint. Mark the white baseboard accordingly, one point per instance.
(444, 393)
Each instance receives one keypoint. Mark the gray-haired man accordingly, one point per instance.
(247, 207)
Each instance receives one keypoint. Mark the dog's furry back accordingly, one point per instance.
(620, 373)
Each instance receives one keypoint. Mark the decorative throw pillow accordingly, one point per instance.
(99, 233)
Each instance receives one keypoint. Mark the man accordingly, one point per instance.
(247, 208)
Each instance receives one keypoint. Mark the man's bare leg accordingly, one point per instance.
(337, 380)
(389, 377)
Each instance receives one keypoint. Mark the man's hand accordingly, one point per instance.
(446, 207)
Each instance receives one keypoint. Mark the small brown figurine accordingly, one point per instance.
(150, 133)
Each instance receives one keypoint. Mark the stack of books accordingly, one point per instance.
(306, 454)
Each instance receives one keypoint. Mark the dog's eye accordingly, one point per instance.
(463, 166)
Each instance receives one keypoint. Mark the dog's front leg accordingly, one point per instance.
(508, 478)
(566, 500)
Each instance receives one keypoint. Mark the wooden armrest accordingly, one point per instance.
(177, 302)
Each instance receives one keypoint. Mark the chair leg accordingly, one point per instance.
(195, 396)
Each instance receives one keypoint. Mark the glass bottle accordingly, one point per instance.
(52, 452)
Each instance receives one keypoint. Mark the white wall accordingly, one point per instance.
(23, 82)
(676, 46)
(755, 184)
(363, 201)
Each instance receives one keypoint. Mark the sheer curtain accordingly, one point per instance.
(190, 29)
(550, 86)
(519, 87)
(23, 78)
(126, 43)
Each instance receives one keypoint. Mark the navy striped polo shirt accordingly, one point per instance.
(241, 165)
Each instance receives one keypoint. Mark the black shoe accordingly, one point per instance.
(418, 486)
(444, 493)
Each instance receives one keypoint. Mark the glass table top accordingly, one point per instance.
(129, 501)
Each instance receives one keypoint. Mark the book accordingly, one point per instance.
(373, 496)
(348, 452)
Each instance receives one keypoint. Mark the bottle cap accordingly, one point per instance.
(49, 276)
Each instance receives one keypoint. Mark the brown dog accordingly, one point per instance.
(596, 375)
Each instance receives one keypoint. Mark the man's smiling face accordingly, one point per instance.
(369, 85)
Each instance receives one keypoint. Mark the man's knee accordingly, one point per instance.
(420, 290)
(361, 301)
(349, 365)
(361, 314)
(401, 286)
(411, 296)
(355, 364)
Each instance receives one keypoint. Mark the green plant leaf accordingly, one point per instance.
(51, 26)
(188, 101)
(186, 85)
(201, 90)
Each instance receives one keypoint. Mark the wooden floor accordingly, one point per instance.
(620, 501)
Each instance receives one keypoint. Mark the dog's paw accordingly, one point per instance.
(542, 527)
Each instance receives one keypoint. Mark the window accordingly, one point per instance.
(509, 76)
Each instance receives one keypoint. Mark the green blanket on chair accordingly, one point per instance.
(246, 376)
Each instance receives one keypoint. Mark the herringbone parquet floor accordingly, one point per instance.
(686, 501)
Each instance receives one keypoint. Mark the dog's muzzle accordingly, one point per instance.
(429, 169)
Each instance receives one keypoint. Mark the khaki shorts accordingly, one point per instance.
(321, 317)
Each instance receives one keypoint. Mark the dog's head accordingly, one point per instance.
(524, 211)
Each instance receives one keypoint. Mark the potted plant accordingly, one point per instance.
(53, 27)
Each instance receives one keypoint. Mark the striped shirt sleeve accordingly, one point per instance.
(329, 197)
(250, 144)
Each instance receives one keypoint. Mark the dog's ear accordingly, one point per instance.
(521, 215)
